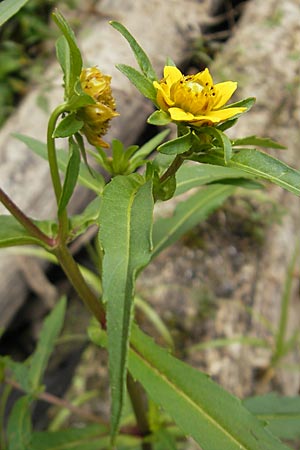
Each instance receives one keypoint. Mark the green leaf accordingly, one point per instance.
(71, 60)
(50, 331)
(19, 425)
(223, 141)
(80, 222)
(12, 233)
(177, 146)
(141, 57)
(63, 55)
(257, 141)
(20, 371)
(68, 126)
(189, 176)
(246, 103)
(202, 409)
(187, 215)
(261, 165)
(93, 437)
(72, 172)
(144, 151)
(164, 441)
(139, 80)
(87, 177)
(125, 236)
(159, 118)
(282, 414)
(9, 8)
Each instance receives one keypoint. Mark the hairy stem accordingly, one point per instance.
(24, 220)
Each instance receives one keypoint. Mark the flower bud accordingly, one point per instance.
(96, 117)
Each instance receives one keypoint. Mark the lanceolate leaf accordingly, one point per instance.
(258, 141)
(125, 235)
(72, 64)
(187, 215)
(139, 80)
(87, 177)
(72, 172)
(93, 437)
(177, 146)
(9, 8)
(68, 126)
(200, 407)
(19, 425)
(282, 414)
(262, 165)
(49, 333)
(141, 57)
(189, 176)
(12, 233)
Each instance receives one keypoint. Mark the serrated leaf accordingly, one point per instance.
(72, 63)
(125, 235)
(68, 126)
(261, 165)
(87, 177)
(139, 80)
(258, 141)
(72, 173)
(213, 417)
(19, 425)
(187, 215)
(140, 55)
(8, 8)
(93, 437)
(50, 331)
(159, 118)
(177, 146)
(189, 176)
(282, 414)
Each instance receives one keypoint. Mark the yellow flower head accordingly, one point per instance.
(194, 98)
(96, 117)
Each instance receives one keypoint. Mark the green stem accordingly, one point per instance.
(135, 392)
(54, 171)
(177, 162)
(74, 275)
(24, 220)
(285, 304)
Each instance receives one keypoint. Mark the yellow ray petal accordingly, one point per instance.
(204, 78)
(223, 92)
(222, 114)
(180, 115)
(172, 75)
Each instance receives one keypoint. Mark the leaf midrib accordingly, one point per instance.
(181, 393)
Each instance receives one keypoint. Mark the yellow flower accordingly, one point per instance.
(194, 98)
(96, 117)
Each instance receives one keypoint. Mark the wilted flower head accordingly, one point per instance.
(194, 98)
(96, 117)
